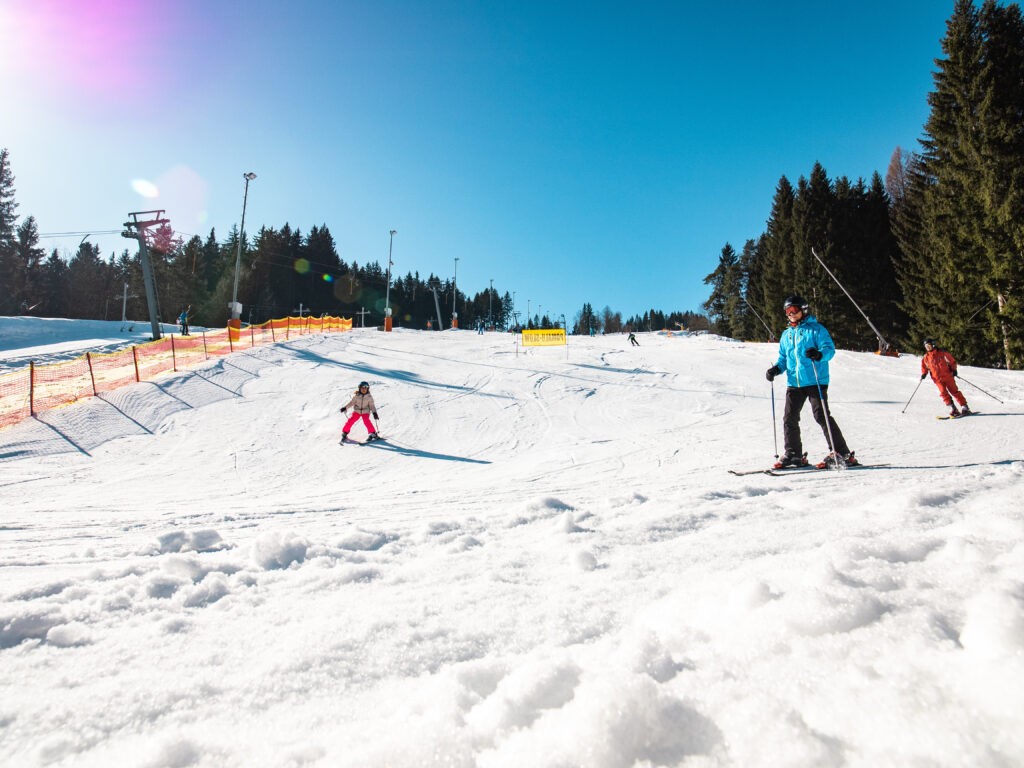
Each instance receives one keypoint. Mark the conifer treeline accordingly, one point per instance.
(938, 249)
(283, 272)
(608, 321)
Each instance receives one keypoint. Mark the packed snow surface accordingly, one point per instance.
(546, 564)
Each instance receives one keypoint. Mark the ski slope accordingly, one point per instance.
(546, 564)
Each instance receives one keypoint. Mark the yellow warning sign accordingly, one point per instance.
(545, 337)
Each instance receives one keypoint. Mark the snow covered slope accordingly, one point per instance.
(547, 564)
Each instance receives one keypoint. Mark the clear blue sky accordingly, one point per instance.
(573, 152)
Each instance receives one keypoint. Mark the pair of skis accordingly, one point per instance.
(807, 468)
(349, 441)
(951, 417)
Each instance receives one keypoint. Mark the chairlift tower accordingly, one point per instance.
(136, 230)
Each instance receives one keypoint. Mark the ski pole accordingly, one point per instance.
(774, 429)
(775, 432)
(839, 464)
(912, 395)
(981, 390)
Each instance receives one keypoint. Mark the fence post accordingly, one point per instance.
(231, 344)
(273, 336)
(135, 358)
(252, 337)
(88, 359)
(288, 329)
(206, 355)
(32, 387)
(174, 358)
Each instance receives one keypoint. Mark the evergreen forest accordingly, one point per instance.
(934, 250)
(281, 272)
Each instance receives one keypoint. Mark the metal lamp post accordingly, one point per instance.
(387, 292)
(236, 308)
(455, 294)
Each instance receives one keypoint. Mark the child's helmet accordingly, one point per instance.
(364, 384)
(929, 341)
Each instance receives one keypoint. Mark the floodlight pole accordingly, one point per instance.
(455, 294)
(387, 292)
(136, 230)
(236, 308)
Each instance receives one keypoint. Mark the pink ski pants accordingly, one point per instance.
(354, 418)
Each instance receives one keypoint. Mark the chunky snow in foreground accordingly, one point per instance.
(547, 564)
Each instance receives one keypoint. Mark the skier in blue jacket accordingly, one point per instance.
(805, 348)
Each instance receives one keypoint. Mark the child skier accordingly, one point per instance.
(362, 406)
(942, 367)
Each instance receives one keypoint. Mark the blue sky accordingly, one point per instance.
(571, 151)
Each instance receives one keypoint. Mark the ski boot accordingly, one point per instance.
(838, 461)
(791, 460)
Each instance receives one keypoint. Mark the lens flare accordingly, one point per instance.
(100, 49)
(302, 266)
(146, 189)
(328, 278)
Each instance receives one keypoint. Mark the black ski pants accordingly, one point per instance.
(795, 399)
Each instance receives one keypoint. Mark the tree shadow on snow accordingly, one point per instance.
(387, 445)
(369, 371)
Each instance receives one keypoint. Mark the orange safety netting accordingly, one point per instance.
(38, 388)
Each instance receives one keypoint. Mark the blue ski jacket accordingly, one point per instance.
(793, 359)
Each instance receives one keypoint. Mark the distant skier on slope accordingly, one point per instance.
(805, 348)
(632, 340)
(362, 406)
(942, 367)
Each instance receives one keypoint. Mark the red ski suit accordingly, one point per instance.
(942, 366)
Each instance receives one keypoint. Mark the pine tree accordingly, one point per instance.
(54, 287)
(1001, 139)
(777, 268)
(751, 271)
(951, 304)
(8, 236)
(724, 306)
(878, 286)
(26, 259)
(813, 211)
(584, 320)
(91, 284)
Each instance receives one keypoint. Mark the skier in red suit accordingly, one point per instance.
(942, 366)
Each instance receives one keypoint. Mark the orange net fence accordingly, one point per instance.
(38, 388)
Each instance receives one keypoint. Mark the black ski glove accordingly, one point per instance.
(772, 372)
(924, 376)
(954, 374)
(343, 410)
(813, 353)
(375, 416)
